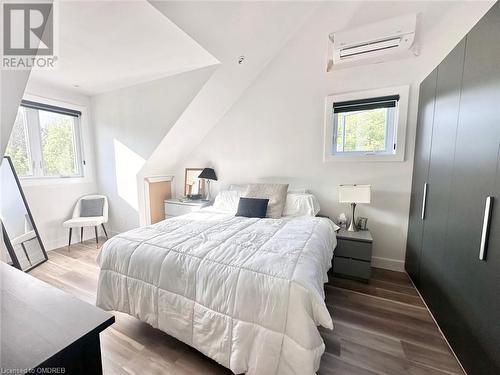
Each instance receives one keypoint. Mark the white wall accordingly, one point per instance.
(275, 131)
(129, 124)
(51, 202)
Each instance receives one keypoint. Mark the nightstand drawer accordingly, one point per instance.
(354, 249)
(174, 207)
(352, 267)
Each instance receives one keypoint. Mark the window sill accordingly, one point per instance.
(365, 157)
(44, 181)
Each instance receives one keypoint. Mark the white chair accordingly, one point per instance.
(89, 211)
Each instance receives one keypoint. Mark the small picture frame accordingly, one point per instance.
(361, 224)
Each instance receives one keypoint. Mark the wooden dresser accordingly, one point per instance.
(45, 330)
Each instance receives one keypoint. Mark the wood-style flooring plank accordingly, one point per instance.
(419, 353)
(361, 301)
(395, 287)
(388, 315)
(366, 322)
(381, 362)
(334, 365)
(367, 288)
(381, 327)
(400, 278)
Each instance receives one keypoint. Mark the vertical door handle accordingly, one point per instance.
(424, 201)
(486, 228)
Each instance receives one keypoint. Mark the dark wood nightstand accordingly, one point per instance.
(353, 254)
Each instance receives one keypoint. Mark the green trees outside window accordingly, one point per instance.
(363, 131)
(45, 144)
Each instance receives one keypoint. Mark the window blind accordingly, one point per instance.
(50, 108)
(366, 104)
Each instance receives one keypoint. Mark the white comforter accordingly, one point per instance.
(246, 292)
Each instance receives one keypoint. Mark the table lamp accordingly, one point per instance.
(208, 174)
(354, 194)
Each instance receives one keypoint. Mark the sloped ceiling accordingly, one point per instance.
(108, 45)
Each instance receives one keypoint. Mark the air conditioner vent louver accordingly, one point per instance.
(392, 36)
(370, 47)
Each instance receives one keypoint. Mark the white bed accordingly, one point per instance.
(246, 292)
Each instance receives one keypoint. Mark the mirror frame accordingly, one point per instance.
(6, 239)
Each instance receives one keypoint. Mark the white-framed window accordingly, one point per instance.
(368, 125)
(46, 142)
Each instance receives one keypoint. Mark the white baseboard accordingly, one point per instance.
(388, 264)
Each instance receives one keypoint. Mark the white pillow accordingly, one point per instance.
(238, 187)
(298, 191)
(227, 200)
(301, 205)
(243, 188)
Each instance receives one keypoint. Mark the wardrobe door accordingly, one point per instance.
(420, 170)
(473, 285)
(432, 263)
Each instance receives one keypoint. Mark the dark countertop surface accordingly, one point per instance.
(37, 320)
(360, 235)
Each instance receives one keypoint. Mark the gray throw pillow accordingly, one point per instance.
(91, 207)
(252, 207)
(276, 193)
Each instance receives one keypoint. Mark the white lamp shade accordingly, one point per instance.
(354, 193)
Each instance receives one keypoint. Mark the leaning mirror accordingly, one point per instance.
(20, 235)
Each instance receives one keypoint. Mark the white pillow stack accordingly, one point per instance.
(297, 202)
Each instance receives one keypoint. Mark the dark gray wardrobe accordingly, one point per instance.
(453, 251)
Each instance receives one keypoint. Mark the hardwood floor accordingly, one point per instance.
(379, 328)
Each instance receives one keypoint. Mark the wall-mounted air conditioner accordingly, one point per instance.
(376, 41)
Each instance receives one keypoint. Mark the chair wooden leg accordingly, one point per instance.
(96, 238)
(81, 234)
(104, 229)
(69, 242)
